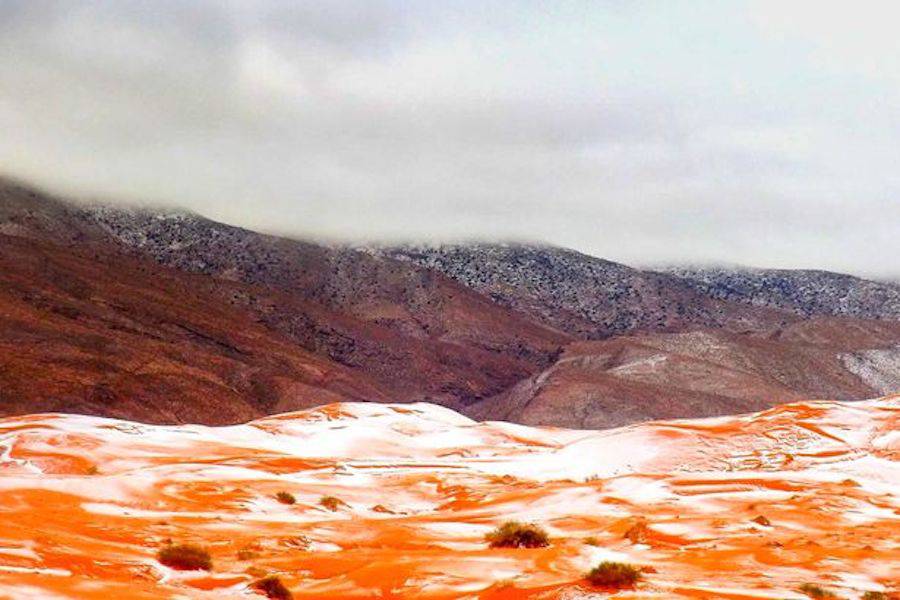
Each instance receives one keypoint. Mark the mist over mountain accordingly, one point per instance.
(167, 316)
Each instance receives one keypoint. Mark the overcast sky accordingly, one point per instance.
(760, 133)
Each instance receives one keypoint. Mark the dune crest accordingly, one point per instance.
(396, 500)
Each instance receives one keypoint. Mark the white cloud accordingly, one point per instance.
(759, 133)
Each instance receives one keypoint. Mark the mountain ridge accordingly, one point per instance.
(466, 326)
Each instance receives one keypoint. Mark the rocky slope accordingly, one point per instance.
(417, 331)
(806, 293)
(747, 507)
(585, 296)
(114, 336)
(406, 330)
(628, 379)
(166, 316)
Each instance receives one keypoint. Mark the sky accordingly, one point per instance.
(763, 133)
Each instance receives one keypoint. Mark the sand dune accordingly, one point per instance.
(86, 502)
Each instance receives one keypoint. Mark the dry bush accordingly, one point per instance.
(614, 575)
(814, 591)
(285, 498)
(331, 503)
(185, 557)
(513, 534)
(761, 520)
(272, 587)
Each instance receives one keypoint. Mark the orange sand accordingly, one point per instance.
(422, 486)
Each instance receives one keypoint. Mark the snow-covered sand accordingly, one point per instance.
(86, 502)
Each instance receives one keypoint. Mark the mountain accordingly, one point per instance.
(587, 297)
(805, 293)
(628, 379)
(404, 332)
(165, 316)
(82, 331)
(395, 501)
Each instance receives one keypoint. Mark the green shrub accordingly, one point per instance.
(614, 575)
(513, 534)
(814, 591)
(185, 557)
(285, 498)
(272, 587)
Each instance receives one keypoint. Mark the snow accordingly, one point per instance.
(446, 481)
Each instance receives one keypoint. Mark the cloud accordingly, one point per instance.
(642, 132)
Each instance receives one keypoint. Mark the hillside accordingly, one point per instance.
(585, 296)
(166, 316)
(803, 292)
(746, 507)
(648, 376)
(114, 336)
(411, 333)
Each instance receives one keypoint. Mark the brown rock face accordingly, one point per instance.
(228, 328)
(170, 317)
(702, 373)
(120, 337)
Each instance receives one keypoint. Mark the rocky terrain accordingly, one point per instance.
(96, 334)
(585, 296)
(165, 316)
(370, 500)
(806, 293)
(408, 331)
(622, 380)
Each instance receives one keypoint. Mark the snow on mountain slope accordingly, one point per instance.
(86, 502)
(582, 295)
(804, 292)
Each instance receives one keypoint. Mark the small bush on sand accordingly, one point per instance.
(272, 587)
(814, 591)
(513, 534)
(185, 557)
(285, 498)
(762, 520)
(614, 575)
(331, 503)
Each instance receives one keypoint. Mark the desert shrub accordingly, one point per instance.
(331, 503)
(285, 498)
(614, 575)
(185, 557)
(513, 534)
(814, 591)
(272, 587)
(761, 520)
